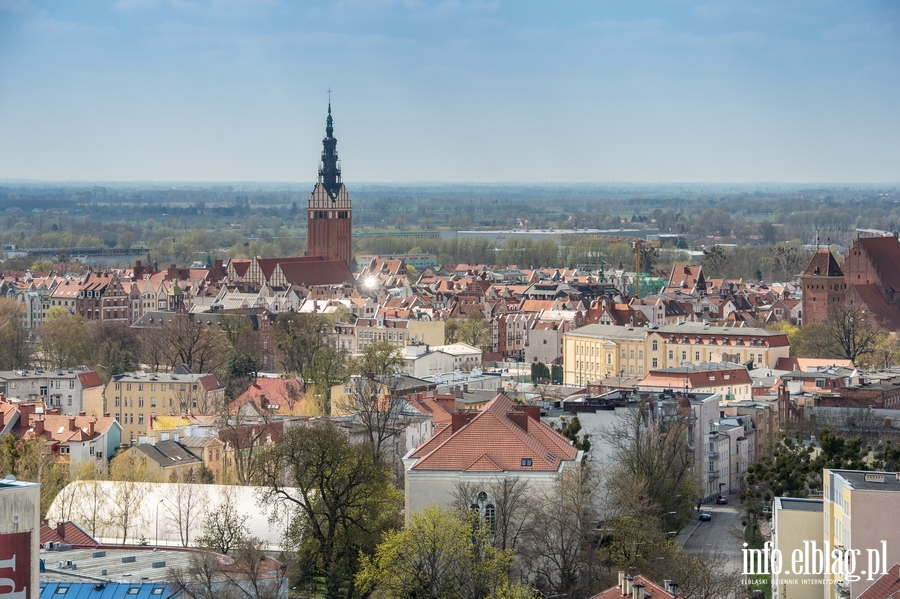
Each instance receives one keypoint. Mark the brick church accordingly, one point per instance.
(330, 214)
(869, 277)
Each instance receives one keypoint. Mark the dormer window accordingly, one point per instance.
(526, 461)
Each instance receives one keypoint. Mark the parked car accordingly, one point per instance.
(705, 515)
(721, 499)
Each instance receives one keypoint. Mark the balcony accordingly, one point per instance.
(712, 475)
(714, 455)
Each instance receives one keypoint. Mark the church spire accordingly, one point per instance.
(330, 166)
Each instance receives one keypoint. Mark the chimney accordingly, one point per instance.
(459, 420)
(39, 426)
(61, 530)
(91, 423)
(153, 440)
(163, 436)
(447, 401)
(534, 412)
(637, 591)
(519, 418)
(458, 392)
(673, 587)
(465, 387)
(627, 588)
(622, 581)
(72, 426)
(25, 412)
(142, 439)
(176, 437)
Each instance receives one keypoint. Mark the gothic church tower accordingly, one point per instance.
(329, 214)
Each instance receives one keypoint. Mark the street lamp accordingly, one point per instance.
(157, 520)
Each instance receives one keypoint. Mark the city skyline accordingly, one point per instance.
(453, 91)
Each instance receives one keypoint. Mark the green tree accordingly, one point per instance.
(15, 349)
(298, 338)
(63, 339)
(475, 331)
(442, 553)
(30, 460)
(223, 527)
(114, 348)
(339, 499)
(539, 372)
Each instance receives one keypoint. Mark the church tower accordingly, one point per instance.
(329, 214)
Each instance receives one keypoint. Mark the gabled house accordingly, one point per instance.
(500, 440)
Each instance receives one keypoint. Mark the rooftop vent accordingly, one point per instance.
(874, 478)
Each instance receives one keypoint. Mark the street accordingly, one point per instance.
(723, 534)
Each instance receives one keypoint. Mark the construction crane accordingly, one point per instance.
(638, 245)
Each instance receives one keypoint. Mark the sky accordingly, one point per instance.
(479, 91)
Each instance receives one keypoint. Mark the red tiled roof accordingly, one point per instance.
(48, 535)
(884, 252)
(74, 535)
(89, 379)
(886, 587)
(240, 266)
(287, 394)
(823, 264)
(319, 272)
(698, 379)
(651, 589)
(267, 265)
(496, 438)
(884, 315)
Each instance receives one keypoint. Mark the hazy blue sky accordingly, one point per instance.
(455, 90)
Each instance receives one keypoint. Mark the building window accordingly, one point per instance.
(526, 461)
(655, 363)
(140, 402)
(140, 419)
(671, 355)
(72, 385)
(654, 345)
(152, 402)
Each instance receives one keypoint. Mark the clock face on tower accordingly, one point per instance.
(836, 286)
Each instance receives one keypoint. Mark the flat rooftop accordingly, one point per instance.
(800, 505)
(96, 564)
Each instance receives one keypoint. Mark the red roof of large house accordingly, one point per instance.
(317, 272)
(696, 379)
(502, 436)
(283, 397)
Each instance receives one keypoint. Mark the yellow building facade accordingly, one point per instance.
(598, 351)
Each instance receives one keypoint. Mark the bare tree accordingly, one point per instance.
(185, 504)
(299, 338)
(224, 528)
(850, 328)
(557, 552)
(131, 475)
(651, 443)
(250, 575)
(503, 501)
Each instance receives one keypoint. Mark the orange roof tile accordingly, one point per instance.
(500, 436)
